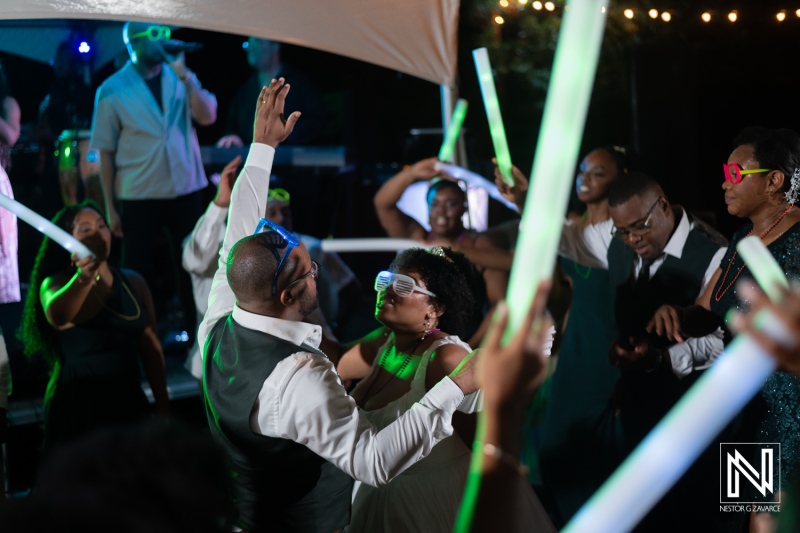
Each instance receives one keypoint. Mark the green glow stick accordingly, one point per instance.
(492, 105)
(762, 265)
(449, 142)
(568, 96)
(556, 155)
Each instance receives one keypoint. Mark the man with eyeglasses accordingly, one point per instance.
(275, 402)
(655, 254)
(150, 164)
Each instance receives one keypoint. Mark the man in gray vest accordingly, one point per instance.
(656, 254)
(274, 401)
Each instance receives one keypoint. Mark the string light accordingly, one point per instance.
(797, 12)
(523, 2)
(537, 5)
(504, 3)
(653, 13)
(498, 19)
(628, 13)
(781, 16)
(550, 6)
(665, 16)
(706, 17)
(732, 16)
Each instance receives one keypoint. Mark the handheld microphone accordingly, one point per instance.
(173, 47)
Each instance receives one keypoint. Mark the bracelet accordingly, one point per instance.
(504, 457)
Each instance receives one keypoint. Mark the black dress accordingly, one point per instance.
(776, 412)
(96, 381)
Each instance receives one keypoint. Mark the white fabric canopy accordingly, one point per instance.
(417, 37)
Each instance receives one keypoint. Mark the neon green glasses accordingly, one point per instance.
(154, 33)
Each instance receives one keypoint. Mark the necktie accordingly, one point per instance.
(644, 274)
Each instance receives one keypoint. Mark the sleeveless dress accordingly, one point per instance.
(581, 436)
(426, 496)
(776, 411)
(96, 382)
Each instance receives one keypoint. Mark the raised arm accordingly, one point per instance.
(396, 223)
(202, 102)
(249, 195)
(201, 247)
(62, 298)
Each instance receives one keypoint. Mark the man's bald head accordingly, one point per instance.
(252, 265)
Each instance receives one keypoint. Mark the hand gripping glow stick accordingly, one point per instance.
(571, 82)
(492, 105)
(673, 445)
(476, 180)
(67, 241)
(450, 138)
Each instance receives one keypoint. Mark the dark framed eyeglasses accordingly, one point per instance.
(313, 273)
(637, 230)
(154, 33)
(291, 243)
(734, 172)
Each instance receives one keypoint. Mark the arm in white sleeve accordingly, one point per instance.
(712, 268)
(303, 400)
(586, 245)
(201, 247)
(248, 204)
(695, 353)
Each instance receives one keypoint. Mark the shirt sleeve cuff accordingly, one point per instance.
(261, 156)
(445, 396)
(682, 361)
(215, 212)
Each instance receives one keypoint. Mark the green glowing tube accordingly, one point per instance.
(486, 81)
(763, 266)
(556, 155)
(450, 138)
(568, 96)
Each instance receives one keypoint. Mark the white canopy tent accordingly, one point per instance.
(416, 37)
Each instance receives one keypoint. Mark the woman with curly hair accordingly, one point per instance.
(93, 323)
(424, 302)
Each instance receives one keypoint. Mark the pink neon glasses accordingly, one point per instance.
(734, 172)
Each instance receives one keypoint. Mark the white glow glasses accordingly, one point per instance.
(402, 285)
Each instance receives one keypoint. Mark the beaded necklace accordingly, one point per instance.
(116, 313)
(381, 364)
(718, 295)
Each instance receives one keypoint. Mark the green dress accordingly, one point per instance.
(581, 436)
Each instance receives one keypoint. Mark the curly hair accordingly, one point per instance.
(37, 335)
(452, 277)
(774, 149)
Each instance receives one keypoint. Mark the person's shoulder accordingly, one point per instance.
(113, 83)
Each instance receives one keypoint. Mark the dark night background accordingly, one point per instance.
(674, 94)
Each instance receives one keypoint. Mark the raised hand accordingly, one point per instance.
(87, 269)
(516, 193)
(226, 181)
(425, 169)
(270, 125)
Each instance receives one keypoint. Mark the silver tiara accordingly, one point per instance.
(793, 194)
(438, 250)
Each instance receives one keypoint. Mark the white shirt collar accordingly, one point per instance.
(289, 330)
(676, 243)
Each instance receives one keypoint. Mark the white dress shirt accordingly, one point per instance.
(589, 246)
(303, 398)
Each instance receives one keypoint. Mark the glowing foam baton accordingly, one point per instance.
(368, 245)
(673, 445)
(492, 105)
(556, 155)
(450, 138)
(565, 109)
(67, 241)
